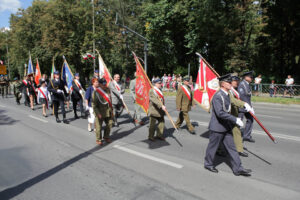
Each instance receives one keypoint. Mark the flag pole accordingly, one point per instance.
(256, 119)
(167, 113)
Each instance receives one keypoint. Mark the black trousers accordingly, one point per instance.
(56, 104)
(75, 102)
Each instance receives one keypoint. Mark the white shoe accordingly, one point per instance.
(89, 128)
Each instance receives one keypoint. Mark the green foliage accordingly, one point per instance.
(233, 35)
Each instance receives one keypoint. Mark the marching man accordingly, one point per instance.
(103, 109)
(157, 111)
(220, 126)
(184, 101)
(77, 95)
(117, 91)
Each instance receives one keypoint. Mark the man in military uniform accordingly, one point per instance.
(220, 127)
(77, 96)
(157, 111)
(117, 90)
(58, 91)
(17, 87)
(235, 105)
(184, 102)
(24, 90)
(103, 109)
(137, 109)
(245, 95)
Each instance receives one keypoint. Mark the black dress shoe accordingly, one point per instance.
(249, 140)
(65, 121)
(244, 172)
(212, 169)
(58, 120)
(76, 117)
(192, 132)
(244, 154)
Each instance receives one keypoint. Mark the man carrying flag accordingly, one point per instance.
(184, 102)
(77, 96)
(103, 109)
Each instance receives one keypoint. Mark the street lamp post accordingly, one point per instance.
(140, 36)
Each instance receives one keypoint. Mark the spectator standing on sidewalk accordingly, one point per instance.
(289, 86)
(257, 85)
(272, 88)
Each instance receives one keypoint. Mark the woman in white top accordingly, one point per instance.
(289, 85)
(43, 96)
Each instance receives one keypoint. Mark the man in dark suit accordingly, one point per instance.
(220, 127)
(245, 95)
(77, 95)
(58, 92)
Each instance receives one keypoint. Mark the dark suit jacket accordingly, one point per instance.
(244, 90)
(54, 86)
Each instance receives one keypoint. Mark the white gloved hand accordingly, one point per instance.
(239, 122)
(27, 93)
(248, 108)
(121, 97)
(252, 110)
(87, 108)
(59, 91)
(80, 91)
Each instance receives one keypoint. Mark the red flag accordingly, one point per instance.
(206, 85)
(142, 86)
(37, 73)
(103, 71)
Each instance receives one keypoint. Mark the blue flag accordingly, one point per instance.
(66, 74)
(30, 66)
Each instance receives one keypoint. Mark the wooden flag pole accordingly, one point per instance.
(256, 119)
(167, 113)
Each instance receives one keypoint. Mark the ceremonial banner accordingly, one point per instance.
(206, 85)
(30, 66)
(103, 71)
(53, 69)
(142, 86)
(37, 73)
(66, 74)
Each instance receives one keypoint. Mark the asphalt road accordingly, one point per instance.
(40, 159)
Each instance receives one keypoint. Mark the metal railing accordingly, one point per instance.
(276, 90)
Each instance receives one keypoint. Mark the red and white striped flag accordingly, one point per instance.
(206, 85)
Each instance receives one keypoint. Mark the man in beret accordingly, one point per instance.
(157, 111)
(184, 102)
(245, 92)
(220, 126)
(77, 95)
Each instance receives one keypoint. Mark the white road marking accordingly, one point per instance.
(276, 117)
(277, 135)
(149, 157)
(33, 117)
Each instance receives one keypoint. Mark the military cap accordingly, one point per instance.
(235, 78)
(42, 81)
(96, 71)
(102, 81)
(250, 73)
(226, 78)
(157, 80)
(77, 74)
(186, 78)
(56, 72)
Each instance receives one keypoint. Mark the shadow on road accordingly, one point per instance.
(16, 190)
(5, 119)
(205, 134)
(257, 156)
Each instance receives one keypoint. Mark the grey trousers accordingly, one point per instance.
(249, 125)
(214, 141)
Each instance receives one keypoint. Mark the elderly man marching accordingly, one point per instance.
(220, 127)
(157, 111)
(245, 95)
(117, 91)
(184, 101)
(77, 96)
(137, 108)
(103, 109)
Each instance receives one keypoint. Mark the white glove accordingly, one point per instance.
(59, 91)
(252, 110)
(239, 122)
(248, 108)
(80, 91)
(121, 97)
(87, 108)
(27, 93)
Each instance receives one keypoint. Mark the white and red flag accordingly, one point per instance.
(103, 71)
(38, 74)
(206, 85)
